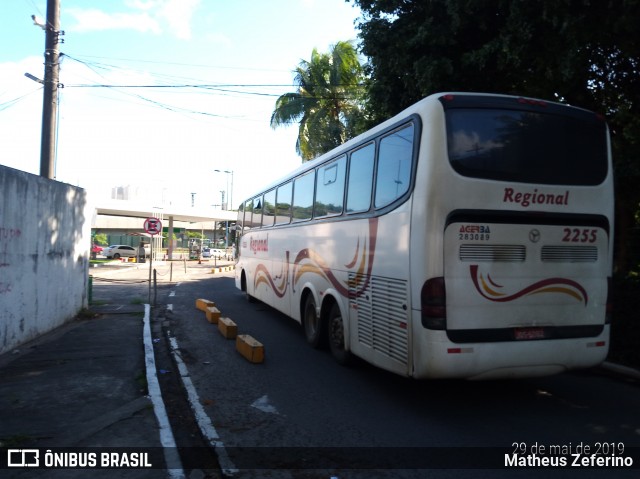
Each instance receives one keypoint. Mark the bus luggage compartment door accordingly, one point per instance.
(510, 282)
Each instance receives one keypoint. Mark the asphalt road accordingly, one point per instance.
(300, 414)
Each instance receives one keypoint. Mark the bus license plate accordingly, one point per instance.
(524, 334)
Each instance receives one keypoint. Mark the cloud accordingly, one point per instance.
(145, 16)
(97, 20)
(178, 14)
(218, 38)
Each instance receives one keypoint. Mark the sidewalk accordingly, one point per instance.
(85, 385)
(82, 385)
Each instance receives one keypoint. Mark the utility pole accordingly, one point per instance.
(51, 84)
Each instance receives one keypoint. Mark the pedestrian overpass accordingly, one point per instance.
(166, 214)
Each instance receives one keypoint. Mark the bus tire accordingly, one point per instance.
(336, 336)
(313, 325)
(248, 297)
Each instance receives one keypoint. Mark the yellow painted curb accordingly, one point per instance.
(227, 328)
(203, 304)
(222, 269)
(213, 314)
(250, 348)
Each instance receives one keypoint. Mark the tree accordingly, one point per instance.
(327, 102)
(100, 238)
(583, 52)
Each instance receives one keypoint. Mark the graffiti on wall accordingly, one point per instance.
(7, 235)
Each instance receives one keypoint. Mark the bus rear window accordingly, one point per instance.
(526, 146)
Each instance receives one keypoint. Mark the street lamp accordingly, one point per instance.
(229, 196)
(34, 78)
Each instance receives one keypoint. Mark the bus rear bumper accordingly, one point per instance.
(504, 360)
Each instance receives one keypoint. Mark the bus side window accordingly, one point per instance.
(248, 212)
(283, 203)
(330, 188)
(257, 212)
(303, 197)
(268, 208)
(240, 219)
(360, 179)
(394, 166)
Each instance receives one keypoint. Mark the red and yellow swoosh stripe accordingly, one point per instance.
(491, 290)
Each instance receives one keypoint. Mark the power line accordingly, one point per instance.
(196, 65)
(227, 88)
(209, 86)
(10, 103)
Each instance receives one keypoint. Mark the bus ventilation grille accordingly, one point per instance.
(492, 252)
(570, 254)
(382, 310)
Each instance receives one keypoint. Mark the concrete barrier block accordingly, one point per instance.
(213, 314)
(203, 304)
(250, 348)
(227, 328)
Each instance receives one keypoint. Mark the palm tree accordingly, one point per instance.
(327, 103)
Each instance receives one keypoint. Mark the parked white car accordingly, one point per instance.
(120, 251)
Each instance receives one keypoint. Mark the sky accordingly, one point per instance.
(158, 94)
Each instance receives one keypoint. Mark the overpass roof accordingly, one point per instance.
(133, 209)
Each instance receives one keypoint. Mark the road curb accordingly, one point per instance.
(207, 429)
(174, 464)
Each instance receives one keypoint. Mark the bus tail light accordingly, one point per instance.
(434, 304)
(609, 310)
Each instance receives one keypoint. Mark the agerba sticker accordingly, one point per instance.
(474, 232)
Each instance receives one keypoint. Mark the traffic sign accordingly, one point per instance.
(153, 226)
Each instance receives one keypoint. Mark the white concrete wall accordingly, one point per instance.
(45, 236)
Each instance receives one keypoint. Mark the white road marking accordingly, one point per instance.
(263, 405)
(166, 434)
(204, 422)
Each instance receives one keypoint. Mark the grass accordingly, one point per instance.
(141, 381)
(16, 440)
(86, 314)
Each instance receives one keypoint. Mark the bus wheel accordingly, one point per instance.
(243, 286)
(313, 325)
(336, 336)
(249, 298)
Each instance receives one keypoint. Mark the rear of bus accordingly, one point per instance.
(519, 225)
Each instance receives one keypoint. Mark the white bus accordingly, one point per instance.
(470, 236)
